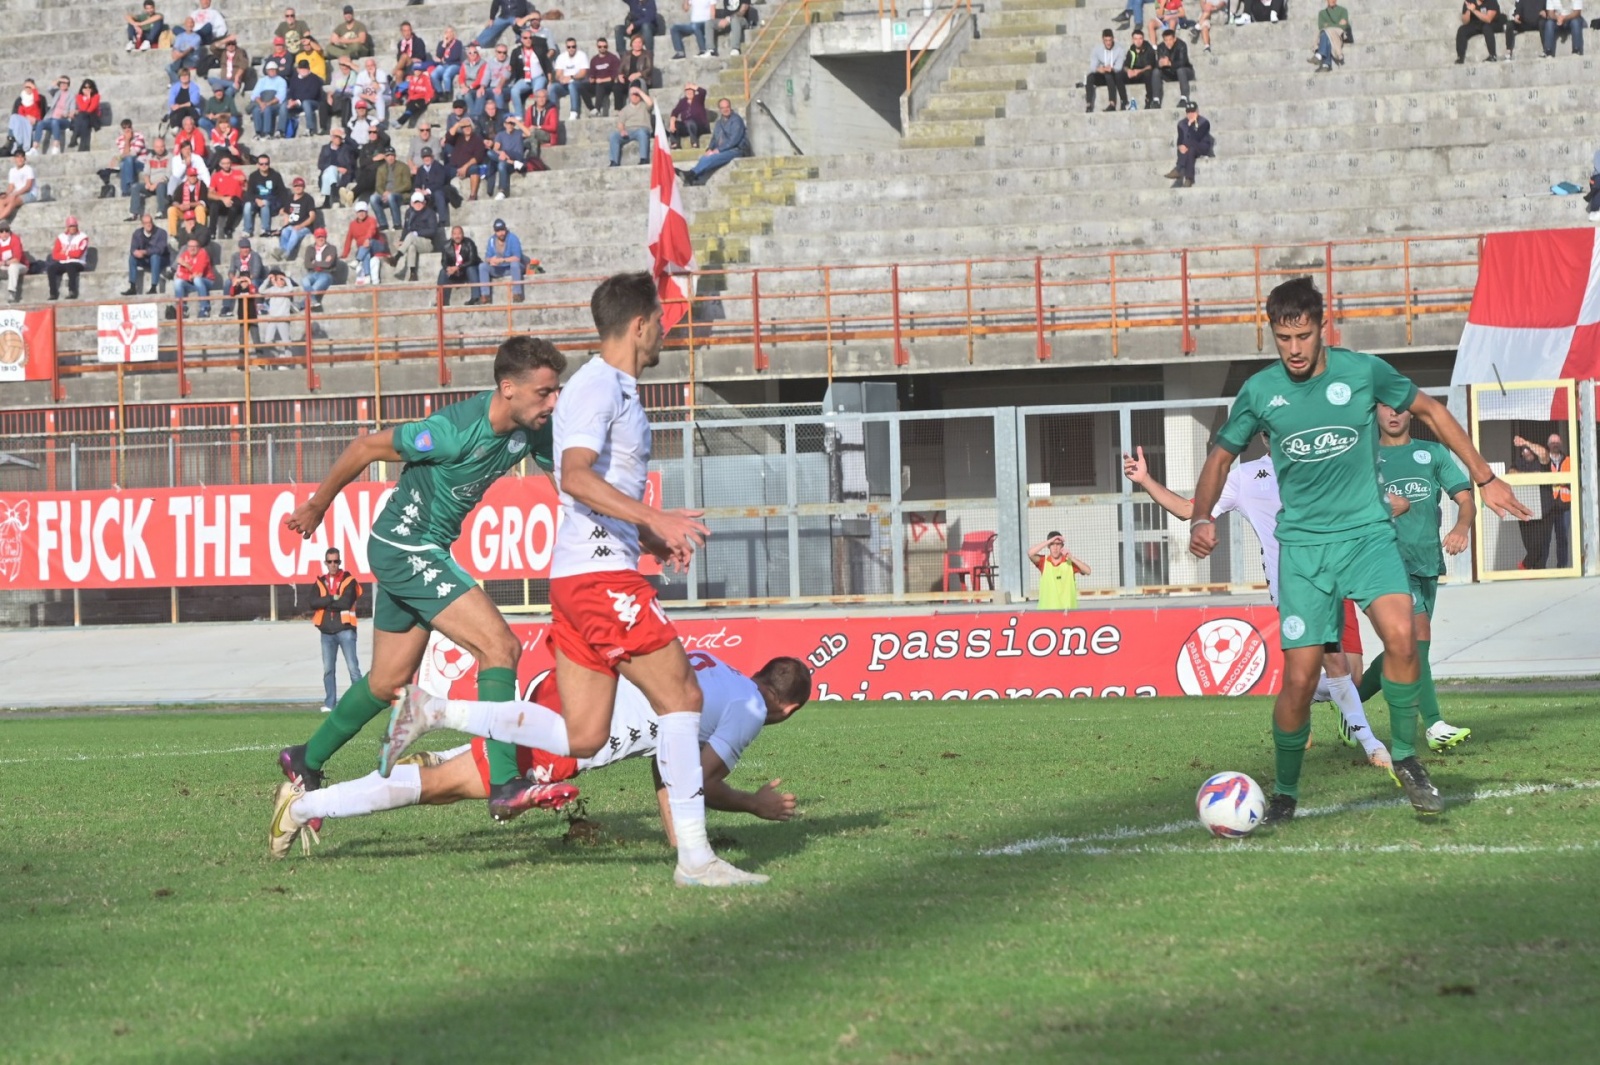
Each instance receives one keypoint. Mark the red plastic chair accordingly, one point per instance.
(972, 562)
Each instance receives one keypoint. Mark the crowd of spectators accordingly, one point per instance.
(1553, 20)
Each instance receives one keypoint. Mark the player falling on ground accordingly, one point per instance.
(1252, 490)
(451, 459)
(1423, 472)
(1318, 407)
(736, 708)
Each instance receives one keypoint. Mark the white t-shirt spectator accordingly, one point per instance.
(571, 63)
(210, 16)
(19, 177)
(702, 10)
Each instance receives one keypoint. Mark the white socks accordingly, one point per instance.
(354, 798)
(678, 760)
(527, 724)
(1342, 691)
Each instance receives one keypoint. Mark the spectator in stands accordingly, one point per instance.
(729, 141)
(391, 188)
(224, 144)
(1262, 11)
(1139, 68)
(57, 118)
(368, 156)
(372, 87)
(320, 262)
(340, 89)
(417, 235)
(468, 152)
(270, 102)
(127, 158)
(638, 66)
(244, 263)
(191, 228)
(1478, 18)
(1333, 23)
(292, 29)
(336, 164)
(431, 179)
(188, 136)
(239, 288)
(218, 110)
(187, 161)
(189, 196)
(688, 118)
(85, 115)
(541, 124)
(186, 45)
(68, 257)
(22, 186)
(635, 123)
(304, 105)
(145, 27)
(26, 111)
(410, 54)
(418, 95)
(570, 68)
(1527, 16)
(1202, 26)
(275, 308)
(367, 241)
(280, 54)
(1105, 70)
(448, 55)
(1562, 18)
(210, 25)
(504, 15)
(490, 122)
(13, 260)
(603, 89)
(734, 21)
(470, 79)
(148, 253)
(152, 182)
(702, 15)
(508, 155)
(530, 62)
(349, 39)
(643, 24)
(225, 198)
(458, 265)
(191, 276)
(1194, 140)
(1131, 15)
(1169, 15)
(265, 194)
(297, 218)
(501, 257)
(227, 70)
(497, 77)
(1172, 64)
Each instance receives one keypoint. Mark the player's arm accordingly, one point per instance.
(1497, 495)
(1135, 469)
(1455, 541)
(678, 531)
(1213, 475)
(360, 453)
(1079, 564)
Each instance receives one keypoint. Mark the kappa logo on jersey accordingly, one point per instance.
(1262, 474)
(1422, 458)
(1320, 444)
(601, 552)
(626, 606)
(518, 442)
(1338, 393)
(1278, 401)
(423, 441)
(598, 533)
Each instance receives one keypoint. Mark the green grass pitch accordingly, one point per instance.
(141, 921)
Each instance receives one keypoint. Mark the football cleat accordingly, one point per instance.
(410, 719)
(514, 798)
(1378, 755)
(1409, 775)
(285, 829)
(292, 760)
(716, 873)
(1351, 736)
(1280, 808)
(1442, 737)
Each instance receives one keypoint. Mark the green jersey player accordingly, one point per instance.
(451, 459)
(1423, 473)
(1318, 408)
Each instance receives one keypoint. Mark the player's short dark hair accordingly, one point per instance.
(621, 298)
(787, 679)
(1294, 301)
(524, 354)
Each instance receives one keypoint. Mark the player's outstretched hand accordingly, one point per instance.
(1202, 539)
(306, 518)
(1455, 542)
(772, 804)
(680, 531)
(1135, 469)
(1498, 497)
(1398, 505)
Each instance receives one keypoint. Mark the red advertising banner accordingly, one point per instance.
(1083, 654)
(164, 537)
(27, 345)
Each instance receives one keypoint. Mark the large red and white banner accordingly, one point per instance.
(1083, 654)
(1535, 312)
(27, 345)
(165, 537)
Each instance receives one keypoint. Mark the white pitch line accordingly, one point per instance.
(125, 755)
(1077, 844)
(1209, 847)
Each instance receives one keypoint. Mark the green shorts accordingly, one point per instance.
(1315, 579)
(415, 582)
(1424, 593)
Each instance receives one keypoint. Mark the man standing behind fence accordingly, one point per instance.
(1058, 573)
(333, 598)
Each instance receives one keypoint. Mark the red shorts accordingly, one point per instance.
(600, 619)
(1350, 636)
(546, 768)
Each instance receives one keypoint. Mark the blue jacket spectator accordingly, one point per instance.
(644, 20)
(501, 257)
(270, 102)
(729, 141)
(149, 252)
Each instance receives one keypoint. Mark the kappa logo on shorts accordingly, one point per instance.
(626, 606)
(1338, 393)
(417, 563)
(1293, 627)
(1422, 458)
(445, 589)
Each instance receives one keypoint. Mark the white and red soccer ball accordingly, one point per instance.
(1230, 805)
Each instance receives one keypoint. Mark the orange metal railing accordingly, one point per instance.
(914, 54)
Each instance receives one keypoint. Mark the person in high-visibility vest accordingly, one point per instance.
(1557, 498)
(1058, 573)
(333, 601)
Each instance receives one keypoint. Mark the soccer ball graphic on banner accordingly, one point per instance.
(1230, 805)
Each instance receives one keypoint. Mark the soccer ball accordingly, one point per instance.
(1230, 805)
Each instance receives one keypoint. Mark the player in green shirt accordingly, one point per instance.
(1423, 473)
(1318, 407)
(451, 459)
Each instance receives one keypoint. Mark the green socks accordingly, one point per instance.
(1430, 696)
(1403, 700)
(1372, 679)
(357, 706)
(1291, 755)
(499, 685)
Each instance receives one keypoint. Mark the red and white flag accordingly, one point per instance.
(1535, 312)
(671, 254)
